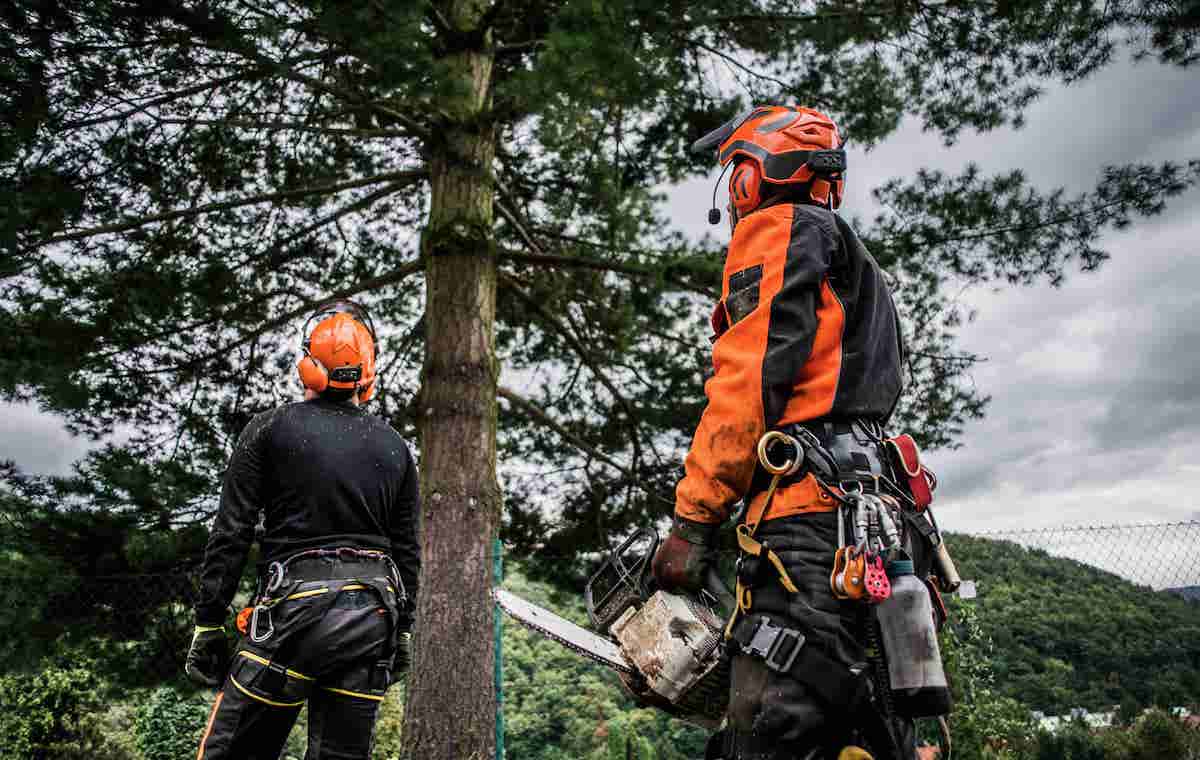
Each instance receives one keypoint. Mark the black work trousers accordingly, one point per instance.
(774, 716)
(330, 645)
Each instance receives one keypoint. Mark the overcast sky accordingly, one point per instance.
(1095, 414)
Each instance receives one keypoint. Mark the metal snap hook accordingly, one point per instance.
(254, 635)
(275, 577)
(790, 466)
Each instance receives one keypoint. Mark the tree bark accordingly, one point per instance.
(451, 709)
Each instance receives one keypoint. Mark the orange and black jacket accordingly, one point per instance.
(806, 329)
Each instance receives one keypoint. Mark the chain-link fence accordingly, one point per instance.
(1159, 555)
(151, 614)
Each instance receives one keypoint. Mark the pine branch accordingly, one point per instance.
(286, 126)
(536, 413)
(362, 203)
(391, 278)
(208, 208)
(541, 258)
(162, 100)
(584, 355)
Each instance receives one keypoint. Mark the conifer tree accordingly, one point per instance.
(184, 181)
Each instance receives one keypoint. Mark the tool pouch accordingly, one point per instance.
(906, 463)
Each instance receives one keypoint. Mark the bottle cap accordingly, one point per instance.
(899, 567)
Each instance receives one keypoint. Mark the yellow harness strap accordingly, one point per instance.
(747, 543)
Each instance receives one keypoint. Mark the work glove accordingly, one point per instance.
(208, 656)
(682, 561)
(402, 660)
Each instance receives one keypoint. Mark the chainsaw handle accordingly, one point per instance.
(717, 588)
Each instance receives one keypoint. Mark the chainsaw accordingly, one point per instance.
(667, 648)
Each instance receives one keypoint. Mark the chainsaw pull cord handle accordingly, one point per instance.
(745, 531)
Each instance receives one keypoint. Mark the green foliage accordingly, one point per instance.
(169, 724)
(559, 706)
(1157, 735)
(51, 715)
(1068, 635)
(986, 725)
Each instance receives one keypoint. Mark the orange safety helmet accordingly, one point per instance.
(775, 146)
(340, 350)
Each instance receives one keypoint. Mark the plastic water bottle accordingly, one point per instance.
(910, 643)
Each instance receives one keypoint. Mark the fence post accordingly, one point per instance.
(497, 577)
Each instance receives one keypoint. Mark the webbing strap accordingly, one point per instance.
(785, 650)
(747, 543)
(751, 546)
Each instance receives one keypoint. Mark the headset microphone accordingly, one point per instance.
(714, 213)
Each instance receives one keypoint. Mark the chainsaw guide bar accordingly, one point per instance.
(579, 640)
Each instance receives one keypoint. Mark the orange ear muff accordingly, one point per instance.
(745, 187)
(365, 392)
(314, 376)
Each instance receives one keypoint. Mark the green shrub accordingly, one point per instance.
(986, 725)
(1161, 735)
(51, 715)
(168, 724)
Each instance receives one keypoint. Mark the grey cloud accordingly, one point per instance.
(38, 442)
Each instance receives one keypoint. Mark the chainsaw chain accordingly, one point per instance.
(569, 645)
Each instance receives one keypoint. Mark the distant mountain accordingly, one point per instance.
(1191, 593)
(1069, 635)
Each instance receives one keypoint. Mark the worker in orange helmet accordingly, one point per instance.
(807, 341)
(336, 490)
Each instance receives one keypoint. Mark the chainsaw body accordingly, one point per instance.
(672, 641)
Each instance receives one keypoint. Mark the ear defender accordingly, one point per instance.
(745, 188)
(312, 374)
(365, 392)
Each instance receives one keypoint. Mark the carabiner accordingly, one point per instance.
(275, 573)
(789, 467)
(253, 631)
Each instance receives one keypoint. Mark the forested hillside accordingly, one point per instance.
(1068, 635)
(1062, 635)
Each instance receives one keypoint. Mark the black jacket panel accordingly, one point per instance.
(872, 373)
(321, 474)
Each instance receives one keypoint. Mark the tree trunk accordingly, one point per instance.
(451, 710)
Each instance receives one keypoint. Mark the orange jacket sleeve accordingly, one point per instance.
(781, 321)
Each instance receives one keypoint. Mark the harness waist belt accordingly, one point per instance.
(852, 446)
(786, 650)
(836, 452)
(324, 570)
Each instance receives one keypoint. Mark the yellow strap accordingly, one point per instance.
(264, 700)
(207, 628)
(265, 661)
(359, 694)
(755, 549)
(313, 592)
(753, 518)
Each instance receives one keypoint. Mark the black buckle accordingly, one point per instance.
(381, 675)
(273, 679)
(346, 374)
(752, 570)
(768, 642)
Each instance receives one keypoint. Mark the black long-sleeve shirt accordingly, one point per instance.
(323, 475)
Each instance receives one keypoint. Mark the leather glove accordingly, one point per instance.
(402, 660)
(683, 559)
(208, 656)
